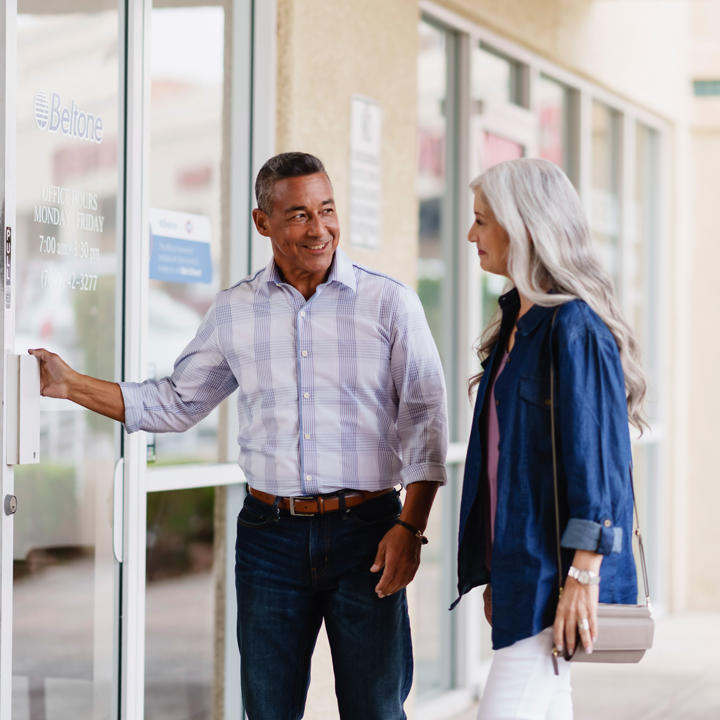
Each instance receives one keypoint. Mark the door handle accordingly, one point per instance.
(117, 527)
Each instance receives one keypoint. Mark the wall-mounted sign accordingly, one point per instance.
(179, 247)
(365, 150)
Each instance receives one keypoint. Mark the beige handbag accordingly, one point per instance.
(624, 632)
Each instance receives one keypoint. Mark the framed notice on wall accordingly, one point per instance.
(365, 172)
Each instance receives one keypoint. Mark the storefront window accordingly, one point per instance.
(645, 281)
(496, 78)
(605, 192)
(437, 262)
(556, 124)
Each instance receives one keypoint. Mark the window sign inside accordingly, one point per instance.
(365, 145)
(180, 247)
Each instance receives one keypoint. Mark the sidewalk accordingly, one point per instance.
(679, 679)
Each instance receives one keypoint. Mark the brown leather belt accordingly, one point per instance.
(318, 504)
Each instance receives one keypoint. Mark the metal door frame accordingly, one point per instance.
(8, 21)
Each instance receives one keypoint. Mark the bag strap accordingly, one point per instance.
(641, 547)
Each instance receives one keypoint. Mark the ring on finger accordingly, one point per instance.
(583, 624)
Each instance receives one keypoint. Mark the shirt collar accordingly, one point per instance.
(510, 304)
(341, 271)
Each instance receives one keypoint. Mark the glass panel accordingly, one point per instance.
(434, 590)
(183, 637)
(496, 149)
(645, 290)
(437, 287)
(437, 222)
(66, 290)
(188, 232)
(645, 322)
(495, 78)
(605, 214)
(555, 123)
(431, 182)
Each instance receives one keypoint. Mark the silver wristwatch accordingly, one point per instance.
(584, 577)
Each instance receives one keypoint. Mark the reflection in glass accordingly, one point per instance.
(555, 123)
(186, 136)
(495, 77)
(66, 285)
(180, 605)
(605, 213)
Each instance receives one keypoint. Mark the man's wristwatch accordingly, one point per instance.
(584, 577)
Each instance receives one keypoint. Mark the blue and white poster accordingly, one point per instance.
(179, 247)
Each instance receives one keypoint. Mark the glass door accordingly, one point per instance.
(198, 219)
(67, 297)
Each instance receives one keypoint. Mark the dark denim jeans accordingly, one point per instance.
(291, 573)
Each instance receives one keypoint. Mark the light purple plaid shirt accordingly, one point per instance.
(344, 390)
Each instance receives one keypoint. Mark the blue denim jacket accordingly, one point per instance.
(594, 467)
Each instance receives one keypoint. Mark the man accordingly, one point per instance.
(340, 399)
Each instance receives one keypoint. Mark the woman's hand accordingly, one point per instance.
(487, 599)
(577, 609)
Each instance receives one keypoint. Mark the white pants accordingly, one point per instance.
(522, 684)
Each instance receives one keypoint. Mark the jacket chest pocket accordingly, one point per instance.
(535, 410)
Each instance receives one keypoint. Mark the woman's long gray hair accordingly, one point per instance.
(550, 248)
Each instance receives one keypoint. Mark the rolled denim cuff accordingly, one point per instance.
(132, 397)
(601, 538)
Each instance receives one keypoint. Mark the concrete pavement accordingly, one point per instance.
(679, 679)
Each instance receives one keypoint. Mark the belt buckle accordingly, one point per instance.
(300, 514)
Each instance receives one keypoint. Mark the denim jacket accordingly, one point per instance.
(594, 468)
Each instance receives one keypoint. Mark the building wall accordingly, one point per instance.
(704, 388)
(327, 52)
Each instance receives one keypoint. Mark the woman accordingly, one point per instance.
(561, 313)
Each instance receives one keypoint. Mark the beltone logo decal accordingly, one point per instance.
(53, 115)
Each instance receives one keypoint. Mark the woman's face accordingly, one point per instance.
(489, 238)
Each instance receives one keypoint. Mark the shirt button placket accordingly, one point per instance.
(306, 395)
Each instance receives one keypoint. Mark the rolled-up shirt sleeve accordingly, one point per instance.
(200, 380)
(593, 437)
(422, 406)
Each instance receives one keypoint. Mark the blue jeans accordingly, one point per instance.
(291, 573)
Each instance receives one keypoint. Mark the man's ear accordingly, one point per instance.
(262, 224)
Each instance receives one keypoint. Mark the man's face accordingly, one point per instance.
(302, 226)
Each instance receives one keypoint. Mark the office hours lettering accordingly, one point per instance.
(68, 215)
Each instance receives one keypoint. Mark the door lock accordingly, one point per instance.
(10, 504)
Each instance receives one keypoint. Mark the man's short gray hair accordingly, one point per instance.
(279, 167)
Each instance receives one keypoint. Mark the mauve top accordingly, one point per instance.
(492, 445)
